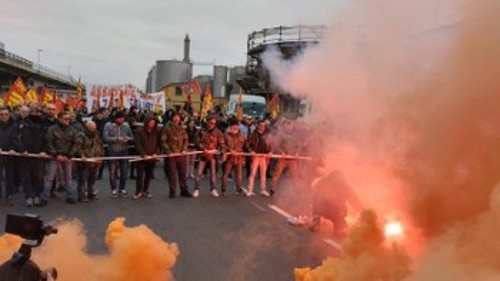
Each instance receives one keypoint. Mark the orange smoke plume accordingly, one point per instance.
(135, 253)
(365, 257)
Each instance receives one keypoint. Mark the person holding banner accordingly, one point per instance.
(146, 144)
(117, 134)
(174, 139)
(258, 142)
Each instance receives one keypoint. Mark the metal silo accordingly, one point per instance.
(172, 71)
(220, 81)
(236, 73)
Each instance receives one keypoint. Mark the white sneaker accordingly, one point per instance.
(250, 194)
(196, 193)
(264, 193)
(214, 193)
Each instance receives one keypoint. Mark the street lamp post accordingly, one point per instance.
(38, 58)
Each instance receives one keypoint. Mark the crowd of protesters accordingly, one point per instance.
(47, 155)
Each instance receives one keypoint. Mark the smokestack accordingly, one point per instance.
(187, 41)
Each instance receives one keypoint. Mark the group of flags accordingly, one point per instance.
(19, 94)
(192, 87)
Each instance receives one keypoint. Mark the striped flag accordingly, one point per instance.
(207, 102)
(16, 93)
(239, 106)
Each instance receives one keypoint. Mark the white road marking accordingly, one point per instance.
(284, 213)
(258, 206)
(280, 211)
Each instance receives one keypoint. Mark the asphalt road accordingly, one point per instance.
(230, 238)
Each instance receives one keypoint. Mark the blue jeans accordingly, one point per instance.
(122, 165)
(50, 176)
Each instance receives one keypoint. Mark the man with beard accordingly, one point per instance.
(174, 139)
(6, 128)
(117, 134)
(62, 144)
(146, 143)
(235, 142)
(91, 146)
(29, 137)
(209, 140)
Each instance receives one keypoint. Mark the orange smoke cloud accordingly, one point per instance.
(365, 257)
(135, 253)
(412, 90)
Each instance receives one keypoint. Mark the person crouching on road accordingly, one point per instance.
(62, 144)
(147, 146)
(174, 139)
(235, 142)
(117, 134)
(91, 146)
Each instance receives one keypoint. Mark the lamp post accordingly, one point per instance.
(38, 58)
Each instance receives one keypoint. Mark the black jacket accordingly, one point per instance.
(62, 140)
(29, 135)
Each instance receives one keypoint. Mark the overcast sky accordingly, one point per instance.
(118, 41)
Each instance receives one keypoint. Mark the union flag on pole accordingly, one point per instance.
(32, 95)
(207, 101)
(16, 93)
(47, 97)
(274, 105)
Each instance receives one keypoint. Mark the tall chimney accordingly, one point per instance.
(187, 41)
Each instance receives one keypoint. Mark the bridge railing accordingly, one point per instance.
(15, 60)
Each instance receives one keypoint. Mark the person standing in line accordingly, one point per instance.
(91, 145)
(286, 142)
(6, 128)
(192, 131)
(29, 137)
(62, 144)
(117, 135)
(235, 141)
(209, 140)
(147, 146)
(259, 144)
(174, 139)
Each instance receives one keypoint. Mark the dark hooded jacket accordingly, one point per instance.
(29, 135)
(174, 138)
(146, 142)
(6, 130)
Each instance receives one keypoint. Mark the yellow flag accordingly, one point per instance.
(207, 102)
(32, 96)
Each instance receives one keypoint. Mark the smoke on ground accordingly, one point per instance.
(135, 253)
(411, 90)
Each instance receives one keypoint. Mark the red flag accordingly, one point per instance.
(59, 105)
(71, 101)
(274, 102)
(16, 93)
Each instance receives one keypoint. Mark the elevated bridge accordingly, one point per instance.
(12, 66)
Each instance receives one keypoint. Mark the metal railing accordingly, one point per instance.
(282, 34)
(18, 61)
